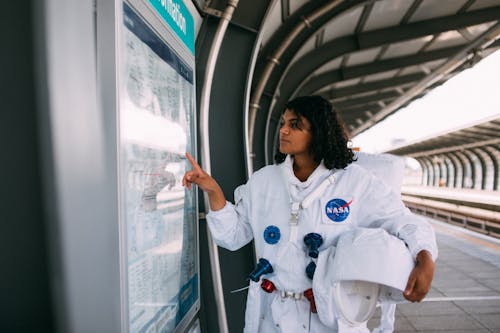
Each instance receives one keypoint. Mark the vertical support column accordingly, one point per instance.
(430, 171)
(487, 168)
(494, 153)
(476, 168)
(80, 169)
(450, 171)
(467, 167)
(457, 170)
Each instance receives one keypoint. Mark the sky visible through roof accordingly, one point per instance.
(466, 99)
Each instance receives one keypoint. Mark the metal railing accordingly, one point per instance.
(481, 220)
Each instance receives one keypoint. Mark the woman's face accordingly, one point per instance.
(295, 134)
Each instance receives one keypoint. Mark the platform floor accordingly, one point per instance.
(465, 294)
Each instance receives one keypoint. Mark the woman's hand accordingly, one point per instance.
(198, 176)
(419, 282)
(205, 182)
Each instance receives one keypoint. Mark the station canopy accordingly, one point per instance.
(369, 58)
(483, 134)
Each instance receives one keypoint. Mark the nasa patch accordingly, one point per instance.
(337, 209)
(272, 234)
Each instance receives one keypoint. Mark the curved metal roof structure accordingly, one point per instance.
(369, 58)
(467, 157)
(484, 134)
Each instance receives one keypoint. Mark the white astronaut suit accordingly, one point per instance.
(346, 199)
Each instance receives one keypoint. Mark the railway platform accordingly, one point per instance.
(475, 198)
(465, 294)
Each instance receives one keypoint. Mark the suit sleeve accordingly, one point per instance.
(385, 209)
(230, 226)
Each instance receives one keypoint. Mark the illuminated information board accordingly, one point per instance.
(159, 216)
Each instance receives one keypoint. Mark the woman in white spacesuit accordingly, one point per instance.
(298, 207)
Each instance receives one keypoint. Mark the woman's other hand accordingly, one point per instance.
(419, 282)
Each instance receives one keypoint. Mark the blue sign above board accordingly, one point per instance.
(178, 17)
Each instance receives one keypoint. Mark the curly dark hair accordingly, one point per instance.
(329, 137)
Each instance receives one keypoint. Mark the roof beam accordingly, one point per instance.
(366, 111)
(428, 27)
(467, 135)
(354, 111)
(285, 10)
(344, 104)
(337, 75)
(409, 13)
(364, 17)
(371, 86)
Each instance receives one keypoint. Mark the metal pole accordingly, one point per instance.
(205, 154)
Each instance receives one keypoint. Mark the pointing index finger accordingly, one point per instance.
(192, 161)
